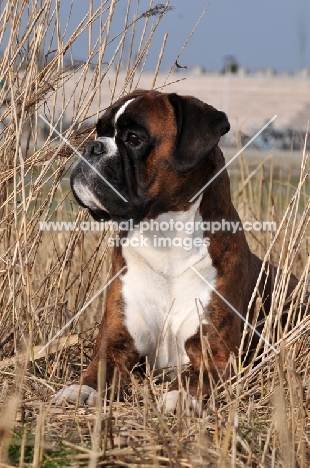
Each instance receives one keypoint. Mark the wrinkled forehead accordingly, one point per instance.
(106, 123)
(151, 110)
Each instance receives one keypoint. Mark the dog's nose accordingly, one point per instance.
(94, 147)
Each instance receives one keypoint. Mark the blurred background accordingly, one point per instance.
(249, 59)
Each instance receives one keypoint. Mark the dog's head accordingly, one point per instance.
(149, 147)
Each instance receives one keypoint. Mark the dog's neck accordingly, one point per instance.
(176, 236)
(172, 251)
(188, 218)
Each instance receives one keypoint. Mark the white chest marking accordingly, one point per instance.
(164, 298)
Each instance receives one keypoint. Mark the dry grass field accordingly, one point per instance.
(261, 418)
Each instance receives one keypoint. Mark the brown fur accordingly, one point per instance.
(237, 267)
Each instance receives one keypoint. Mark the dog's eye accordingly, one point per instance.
(133, 140)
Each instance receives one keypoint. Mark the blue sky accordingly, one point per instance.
(259, 33)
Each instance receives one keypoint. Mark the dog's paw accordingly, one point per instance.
(83, 394)
(169, 401)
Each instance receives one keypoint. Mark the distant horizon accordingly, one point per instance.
(188, 68)
(185, 68)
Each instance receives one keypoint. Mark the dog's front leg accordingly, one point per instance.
(209, 351)
(114, 348)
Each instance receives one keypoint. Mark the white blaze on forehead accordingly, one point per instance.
(121, 110)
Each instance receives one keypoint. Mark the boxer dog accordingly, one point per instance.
(172, 304)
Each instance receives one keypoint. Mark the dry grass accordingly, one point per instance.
(261, 418)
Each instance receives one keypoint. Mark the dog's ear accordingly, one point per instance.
(199, 129)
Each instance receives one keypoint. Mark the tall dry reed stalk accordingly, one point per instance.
(259, 419)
